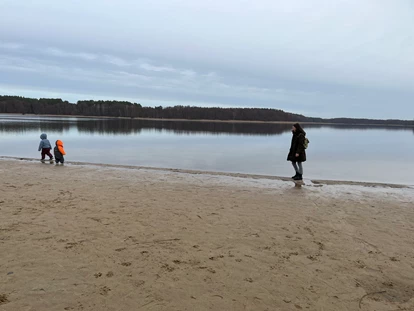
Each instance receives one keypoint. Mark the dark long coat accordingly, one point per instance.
(297, 146)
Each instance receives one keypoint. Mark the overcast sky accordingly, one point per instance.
(321, 58)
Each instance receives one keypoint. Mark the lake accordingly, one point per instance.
(356, 153)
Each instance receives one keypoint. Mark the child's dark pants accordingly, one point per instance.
(46, 151)
(61, 160)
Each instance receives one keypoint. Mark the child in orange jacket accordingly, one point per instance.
(59, 152)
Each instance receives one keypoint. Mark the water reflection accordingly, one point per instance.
(13, 124)
(364, 153)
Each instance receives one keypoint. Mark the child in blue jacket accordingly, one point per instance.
(45, 147)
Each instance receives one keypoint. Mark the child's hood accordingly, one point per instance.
(59, 144)
(43, 136)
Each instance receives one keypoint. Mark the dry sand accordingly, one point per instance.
(96, 238)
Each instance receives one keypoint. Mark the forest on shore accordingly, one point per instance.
(56, 106)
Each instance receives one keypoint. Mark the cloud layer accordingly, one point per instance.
(320, 58)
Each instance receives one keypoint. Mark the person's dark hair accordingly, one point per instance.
(299, 129)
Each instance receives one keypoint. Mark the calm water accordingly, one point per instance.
(335, 152)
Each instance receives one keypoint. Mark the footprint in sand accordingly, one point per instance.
(287, 257)
(104, 291)
(139, 283)
(309, 231)
(3, 299)
(360, 264)
(168, 268)
(70, 245)
(320, 245)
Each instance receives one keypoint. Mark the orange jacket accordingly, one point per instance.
(59, 144)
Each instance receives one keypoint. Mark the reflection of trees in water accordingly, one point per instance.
(183, 127)
(126, 126)
(23, 127)
(133, 126)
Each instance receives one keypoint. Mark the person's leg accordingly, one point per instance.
(49, 154)
(43, 153)
(296, 169)
(300, 171)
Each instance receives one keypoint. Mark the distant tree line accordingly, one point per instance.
(52, 106)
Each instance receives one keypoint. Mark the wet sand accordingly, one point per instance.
(85, 237)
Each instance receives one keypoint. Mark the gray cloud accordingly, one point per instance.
(341, 58)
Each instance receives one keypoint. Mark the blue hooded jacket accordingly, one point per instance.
(44, 143)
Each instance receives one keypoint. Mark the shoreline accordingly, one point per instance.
(228, 174)
(213, 121)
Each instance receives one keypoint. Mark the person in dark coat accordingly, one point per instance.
(297, 153)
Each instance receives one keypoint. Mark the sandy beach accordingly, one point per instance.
(87, 237)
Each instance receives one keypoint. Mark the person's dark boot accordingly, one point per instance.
(298, 177)
(293, 177)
